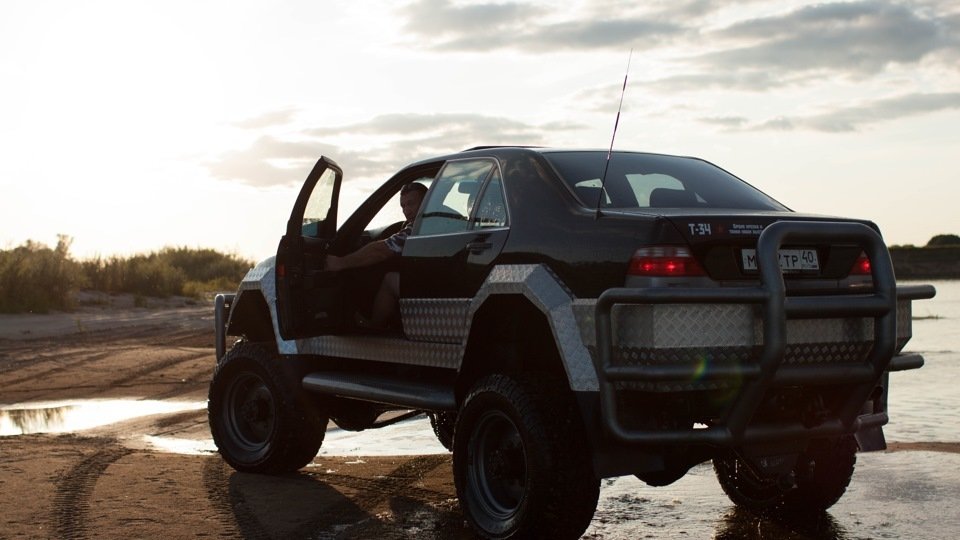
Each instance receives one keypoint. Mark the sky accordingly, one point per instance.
(133, 125)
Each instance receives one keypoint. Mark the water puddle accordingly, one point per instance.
(175, 445)
(78, 415)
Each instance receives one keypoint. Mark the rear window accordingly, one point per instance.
(655, 181)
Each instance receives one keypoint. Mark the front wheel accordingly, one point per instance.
(260, 420)
(520, 462)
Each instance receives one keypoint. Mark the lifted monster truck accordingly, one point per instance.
(560, 328)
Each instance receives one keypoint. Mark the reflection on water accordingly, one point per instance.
(739, 523)
(68, 416)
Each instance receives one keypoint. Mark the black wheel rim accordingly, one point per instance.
(250, 412)
(497, 467)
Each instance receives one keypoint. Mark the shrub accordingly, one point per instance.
(34, 277)
(944, 240)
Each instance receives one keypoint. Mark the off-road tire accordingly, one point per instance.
(261, 421)
(821, 486)
(818, 487)
(520, 463)
(443, 424)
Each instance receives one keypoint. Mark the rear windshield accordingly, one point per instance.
(636, 180)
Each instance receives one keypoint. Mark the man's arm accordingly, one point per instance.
(368, 255)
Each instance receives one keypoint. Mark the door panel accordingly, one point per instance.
(307, 297)
(459, 235)
(450, 265)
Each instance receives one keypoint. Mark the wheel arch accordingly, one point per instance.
(251, 318)
(509, 334)
(531, 297)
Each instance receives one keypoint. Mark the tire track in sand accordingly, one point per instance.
(71, 503)
(61, 363)
(153, 368)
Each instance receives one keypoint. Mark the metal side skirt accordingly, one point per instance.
(386, 390)
(394, 350)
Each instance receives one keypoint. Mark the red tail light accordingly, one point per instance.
(664, 261)
(862, 266)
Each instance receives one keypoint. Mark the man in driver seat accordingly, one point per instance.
(386, 301)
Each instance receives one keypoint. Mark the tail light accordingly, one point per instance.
(664, 261)
(862, 266)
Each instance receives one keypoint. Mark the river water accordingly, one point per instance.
(925, 403)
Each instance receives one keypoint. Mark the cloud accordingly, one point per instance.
(749, 80)
(854, 118)
(441, 25)
(431, 18)
(859, 38)
(390, 142)
(725, 121)
(267, 162)
(757, 53)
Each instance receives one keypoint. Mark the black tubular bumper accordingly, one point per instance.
(736, 427)
(221, 314)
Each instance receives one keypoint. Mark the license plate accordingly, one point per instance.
(791, 260)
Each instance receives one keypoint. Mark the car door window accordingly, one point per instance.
(448, 205)
(318, 205)
(492, 210)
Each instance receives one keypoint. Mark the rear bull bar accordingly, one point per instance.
(736, 428)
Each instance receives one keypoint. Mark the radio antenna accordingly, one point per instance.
(606, 166)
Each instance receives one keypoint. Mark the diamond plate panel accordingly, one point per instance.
(697, 335)
(435, 320)
(685, 325)
(827, 353)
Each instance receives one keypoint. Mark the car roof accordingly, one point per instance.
(504, 150)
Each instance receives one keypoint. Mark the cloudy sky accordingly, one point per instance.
(133, 125)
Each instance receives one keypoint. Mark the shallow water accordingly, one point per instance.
(81, 414)
(898, 495)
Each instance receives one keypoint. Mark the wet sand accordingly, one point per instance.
(114, 481)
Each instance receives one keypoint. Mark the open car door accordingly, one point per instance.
(309, 299)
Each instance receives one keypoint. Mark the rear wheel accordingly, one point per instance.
(826, 469)
(260, 420)
(520, 462)
(822, 474)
